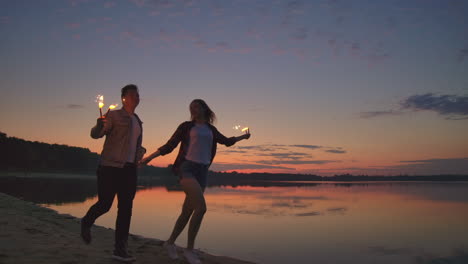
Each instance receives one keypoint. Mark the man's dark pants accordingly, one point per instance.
(112, 181)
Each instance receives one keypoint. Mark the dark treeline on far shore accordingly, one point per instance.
(19, 155)
(22, 156)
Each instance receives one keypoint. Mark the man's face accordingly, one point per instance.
(132, 98)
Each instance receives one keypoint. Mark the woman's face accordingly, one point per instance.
(196, 110)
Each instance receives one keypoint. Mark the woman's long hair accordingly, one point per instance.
(209, 115)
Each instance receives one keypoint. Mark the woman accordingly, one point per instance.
(198, 148)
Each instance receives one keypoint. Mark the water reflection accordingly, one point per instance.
(49, 191)
(322, 222)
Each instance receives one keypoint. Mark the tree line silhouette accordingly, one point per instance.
(19, 155)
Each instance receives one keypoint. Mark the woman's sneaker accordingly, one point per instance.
(171, 250)
(123, 256)
(191, 257)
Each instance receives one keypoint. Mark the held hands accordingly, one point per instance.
(144, 161)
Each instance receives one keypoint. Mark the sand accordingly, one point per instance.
(33, 234)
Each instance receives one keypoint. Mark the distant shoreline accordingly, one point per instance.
(235, 178)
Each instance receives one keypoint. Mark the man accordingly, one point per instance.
(117, 170)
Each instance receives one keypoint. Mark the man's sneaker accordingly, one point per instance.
(191, 257)
(171, 250)
(123, 256)
(85, 233)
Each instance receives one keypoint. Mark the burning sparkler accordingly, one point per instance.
(245, 129)
(111, 107)
(100, 101)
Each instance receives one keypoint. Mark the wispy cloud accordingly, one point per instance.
(245, 166)
(291, 10)
(109, 4)
(4, 19)
(372, 114)
(74, 106)
(232, 151)
(452, 106)
(308, 214)
(337, 209)
(73, 25)
(462, 54)
(297, 162)
(306, 146)
(285, 155)
(300, 34)
(336, 151)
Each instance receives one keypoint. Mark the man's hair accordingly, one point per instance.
(127, 88)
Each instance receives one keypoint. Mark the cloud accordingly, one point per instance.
(447, 105)
(4, 19)
(139, 3)
(285, 155)
(245, 166)
(275, 155)
(109, 4)
(262, 148)
(295, 198)
(296, 162)
(355, 48)
(300, 34)
(306, 146)
(279, 51)
(291, 10)
(222, 45)
(232, 151)
(73, 25)
(336, 151)
(337, 209)
(77, 2)
(308, 214)
(288, 205)
(453, 107)
(373, 114)
(462, 54)
(74, 106)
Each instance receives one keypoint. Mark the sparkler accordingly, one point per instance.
(112, 106)
(245, 129)
(100, 101)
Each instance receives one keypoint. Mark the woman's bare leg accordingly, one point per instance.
(196, 201)
(181, 221)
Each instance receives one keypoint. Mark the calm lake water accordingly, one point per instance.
(326, 222)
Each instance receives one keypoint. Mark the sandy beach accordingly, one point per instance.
(33, 234)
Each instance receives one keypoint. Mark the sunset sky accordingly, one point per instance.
(375, 87)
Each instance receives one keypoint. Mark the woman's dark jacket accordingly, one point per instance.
(182, 134)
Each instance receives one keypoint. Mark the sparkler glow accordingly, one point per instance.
(100, 101)
(111, 107)
(245, 129)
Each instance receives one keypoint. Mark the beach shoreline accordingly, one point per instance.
(30, 233)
